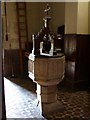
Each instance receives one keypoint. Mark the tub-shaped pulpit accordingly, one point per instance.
(47, 72)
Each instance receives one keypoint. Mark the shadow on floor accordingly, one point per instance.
(24, 82)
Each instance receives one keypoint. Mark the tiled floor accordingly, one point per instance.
(21, 102)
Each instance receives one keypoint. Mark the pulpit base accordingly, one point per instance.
(46, 109)
(50, 108)
(47, 73)
(47, 99)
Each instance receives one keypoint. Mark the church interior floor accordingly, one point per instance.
(20, 100)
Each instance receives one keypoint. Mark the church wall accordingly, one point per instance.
(58, 15)
(11, 46)
(11, 27)
(89, 17)
(33, 18)
(77, 18)
(82, 18)
(71, 17)
(76, 21)
(61, 13)
(35, 15)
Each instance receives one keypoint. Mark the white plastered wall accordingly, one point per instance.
(71, 17)
(82, 18)
(58, 15)
(12, 28)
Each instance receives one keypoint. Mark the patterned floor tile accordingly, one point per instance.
(20, 97)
